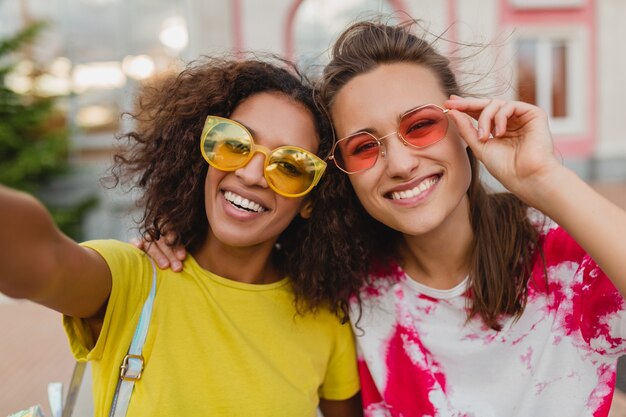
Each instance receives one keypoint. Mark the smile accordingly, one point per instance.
(417, 190)
(243, 203)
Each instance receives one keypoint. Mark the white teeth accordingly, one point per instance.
(420, 188)
(243, 203)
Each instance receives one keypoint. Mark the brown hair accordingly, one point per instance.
(348, 239)
(161, 156)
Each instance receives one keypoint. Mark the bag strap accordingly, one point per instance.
(132, 365)
(72, 392)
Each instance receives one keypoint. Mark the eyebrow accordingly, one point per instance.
(248, 128)
(372, 131)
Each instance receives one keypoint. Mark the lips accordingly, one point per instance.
(243, 203)
(414, 190)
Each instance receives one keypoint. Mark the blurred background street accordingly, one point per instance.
(70, 68)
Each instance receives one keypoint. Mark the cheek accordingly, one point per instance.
(462, 166)
(357, 185)
(213, 177)
(289, 207)
(364, 187)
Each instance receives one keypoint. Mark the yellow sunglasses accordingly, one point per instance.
(289, 170)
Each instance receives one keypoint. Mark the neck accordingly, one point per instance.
(441, 258)
(251, 264)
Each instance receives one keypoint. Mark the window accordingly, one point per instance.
(551, 74)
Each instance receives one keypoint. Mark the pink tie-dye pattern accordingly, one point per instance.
(386, 276)
(369, 392)
(600, 398)
(581, 299)
(527, 358)
(588, 318)
(409, 383)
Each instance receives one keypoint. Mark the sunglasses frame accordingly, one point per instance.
(379, 140)
(213, 121)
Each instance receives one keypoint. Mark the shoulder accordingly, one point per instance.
(116, 252)
(130, 267)
(381, 280)
(556, 244)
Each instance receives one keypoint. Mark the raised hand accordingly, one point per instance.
(520, 155)
(511, 138)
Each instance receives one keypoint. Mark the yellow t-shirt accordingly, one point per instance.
(214, 347)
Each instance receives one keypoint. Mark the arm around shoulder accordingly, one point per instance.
(38, 262)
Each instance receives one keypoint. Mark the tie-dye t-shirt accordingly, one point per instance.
(419, 356)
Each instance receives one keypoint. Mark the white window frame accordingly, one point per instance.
(577, 71)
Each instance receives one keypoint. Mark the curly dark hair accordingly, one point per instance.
(345, 243)
(160, 157)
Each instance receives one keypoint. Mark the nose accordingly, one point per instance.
(400, 159)
(253, 172)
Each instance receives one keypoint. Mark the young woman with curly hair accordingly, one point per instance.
(471, 303)
(225, 154)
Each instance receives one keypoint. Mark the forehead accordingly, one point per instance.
(275, 119)
(375, 100)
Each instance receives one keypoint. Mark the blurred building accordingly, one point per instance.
(560, 54)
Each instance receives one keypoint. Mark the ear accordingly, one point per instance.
(306, 210)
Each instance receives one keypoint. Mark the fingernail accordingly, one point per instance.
(177, 266)
(162, 263)
(481, 133)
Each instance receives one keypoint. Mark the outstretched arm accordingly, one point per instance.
(520, 156)
(39, 263)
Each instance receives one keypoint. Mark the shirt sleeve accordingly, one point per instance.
(342, 380)
(592, 306)
(130, 272)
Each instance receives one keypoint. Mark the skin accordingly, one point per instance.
(76, 281)
(240, 242)
(436, 220)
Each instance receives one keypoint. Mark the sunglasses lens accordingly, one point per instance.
(227, 146)
(292, 171)
(357, 152)
(424, 126)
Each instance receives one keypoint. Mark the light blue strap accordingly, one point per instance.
(132, 366)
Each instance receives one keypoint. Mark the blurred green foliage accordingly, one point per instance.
(34, 136)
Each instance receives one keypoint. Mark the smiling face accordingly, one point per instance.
(414, 191)
(242, 210)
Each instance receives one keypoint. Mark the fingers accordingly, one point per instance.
(161, 251)
(488, 113)
(137, 243)
(466, 128)
(493, 116)
(165, 255)
(501, 118)
(169, 246)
